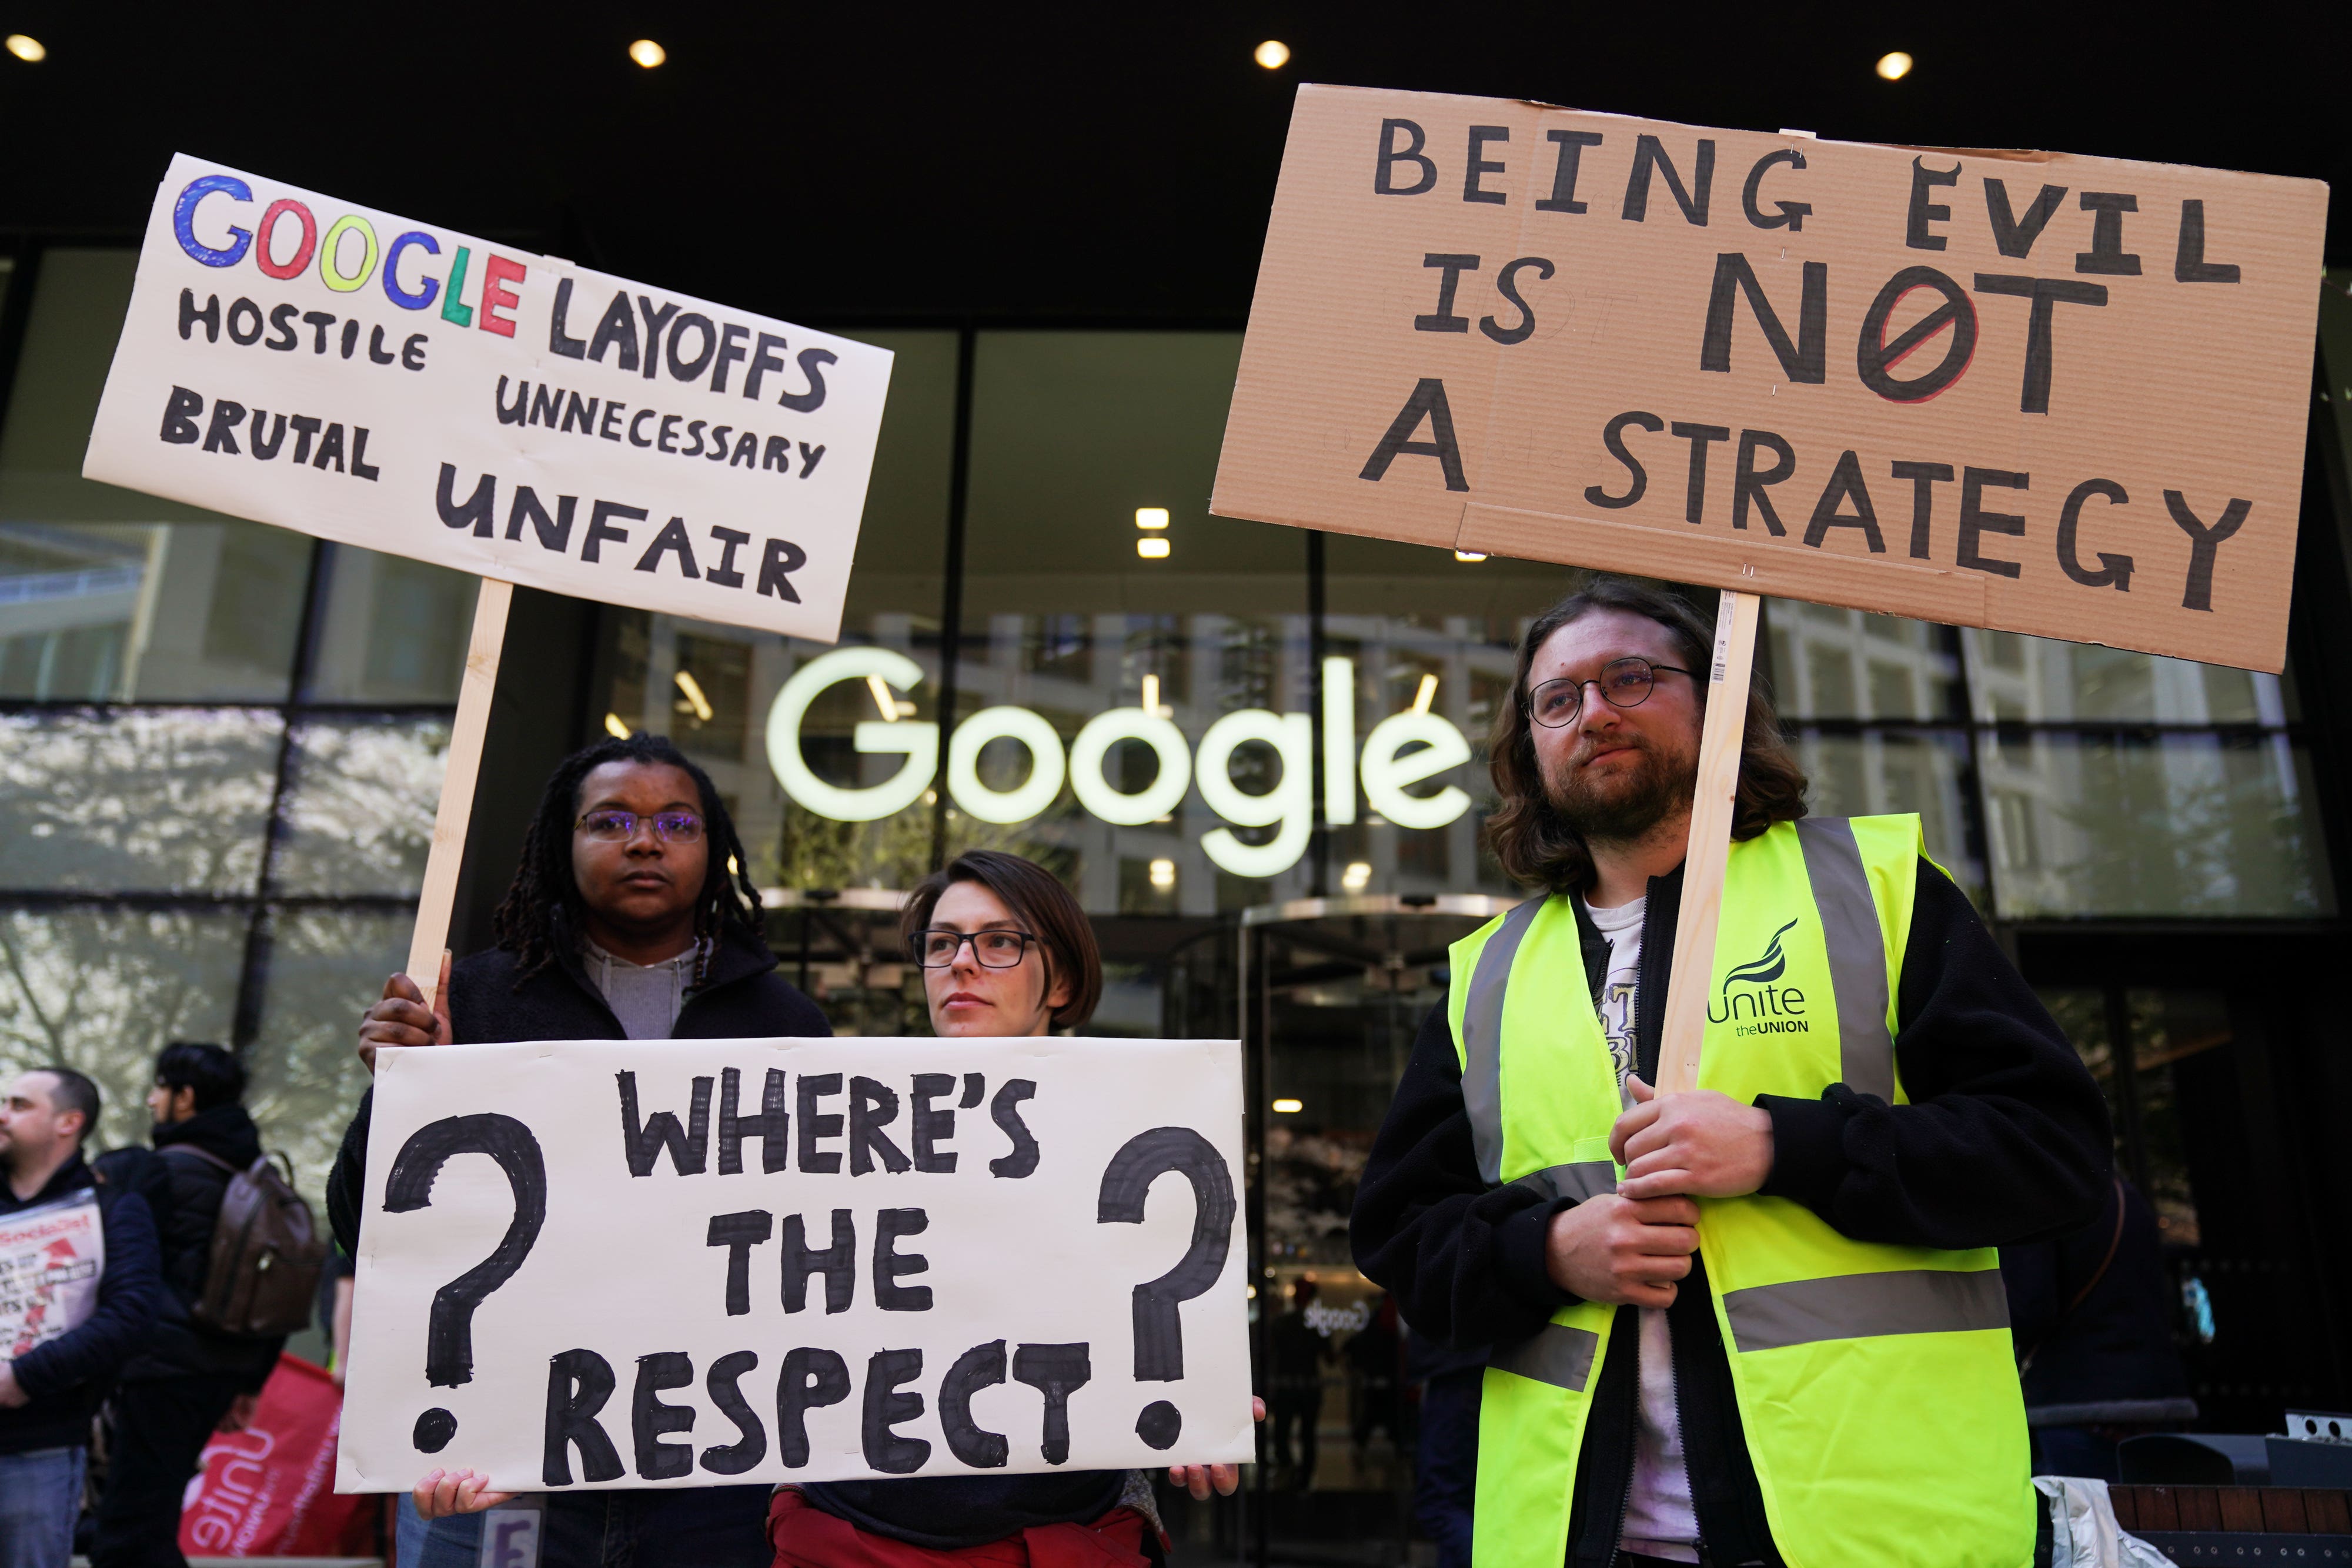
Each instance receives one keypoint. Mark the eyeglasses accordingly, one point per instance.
(1624, 683)
(619, 827)
(936, 948)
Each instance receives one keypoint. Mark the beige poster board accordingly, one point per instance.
(2046, 394)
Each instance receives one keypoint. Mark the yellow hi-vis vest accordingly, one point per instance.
(1876, 1384)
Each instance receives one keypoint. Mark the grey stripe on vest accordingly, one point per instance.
(1555, 1353)
(1482, 1037)
(1857, 949)
(1862, 1306)
(1586, 1179)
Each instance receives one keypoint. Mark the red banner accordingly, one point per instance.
(269, 1491)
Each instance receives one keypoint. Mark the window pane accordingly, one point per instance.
(394, 631)
(2152, 824)
(106, 593)
(710, 687)
(360, 807)
(1828, 663)
(103, 990)
(148, 800)
(2172, 1030)
(305, 1078)
(1900, 770)
(2013, 677)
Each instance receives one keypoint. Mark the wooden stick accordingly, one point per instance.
(438, 899)
(1685, 1023)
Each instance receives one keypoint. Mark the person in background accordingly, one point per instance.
(1375, 1358)
(1446, 1447)
(632, 917)
(57, 1370)
(188, 1381)
(2092, 1316)
(1295, 1353)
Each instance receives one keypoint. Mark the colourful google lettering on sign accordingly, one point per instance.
(330, 250)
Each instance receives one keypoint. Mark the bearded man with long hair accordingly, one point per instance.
(1760, 1320)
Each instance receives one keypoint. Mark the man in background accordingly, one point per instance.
(189, 1380)
(76, 1304)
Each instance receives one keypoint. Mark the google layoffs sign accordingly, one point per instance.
(1402, 750)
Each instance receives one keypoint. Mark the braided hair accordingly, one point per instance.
(542, 910)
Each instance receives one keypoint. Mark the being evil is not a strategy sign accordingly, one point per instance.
(330, 368)
(688, 1262)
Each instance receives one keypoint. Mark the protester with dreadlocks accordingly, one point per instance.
(631, 918)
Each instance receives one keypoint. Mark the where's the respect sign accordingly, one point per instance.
(2048, 393)
(299, 360)
(683, 1262)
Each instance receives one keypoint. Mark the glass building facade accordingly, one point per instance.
(1254, 753)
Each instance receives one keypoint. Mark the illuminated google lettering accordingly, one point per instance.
(1402, 750)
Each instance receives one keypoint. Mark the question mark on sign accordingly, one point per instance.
(1158, 1329)
(449, 1332)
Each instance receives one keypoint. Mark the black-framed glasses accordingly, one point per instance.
(1623, 683)
(611, 826)
(936, 947)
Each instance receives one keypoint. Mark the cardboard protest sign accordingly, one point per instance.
(2047, 393)
(51, 1260)
(687, 1263)
(301, 360)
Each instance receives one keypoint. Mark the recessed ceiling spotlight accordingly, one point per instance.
(1289, 1107)
(648, 53)
(1895, 67)
(1163, 874)
(31, 51)
(1468, 557)
(1357, 877)
(1150, 546)
(1150, 517)
(1274, 54)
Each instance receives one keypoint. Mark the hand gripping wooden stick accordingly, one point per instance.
(438, 898)
(1685, 1023)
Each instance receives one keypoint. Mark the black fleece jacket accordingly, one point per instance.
(2005, 1141)
(180, 1346)
(741, 999)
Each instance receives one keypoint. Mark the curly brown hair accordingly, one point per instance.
(1534, 843)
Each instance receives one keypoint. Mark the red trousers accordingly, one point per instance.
(807, 1537)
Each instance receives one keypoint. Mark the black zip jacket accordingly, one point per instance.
(743, 998)
(2005, 1141)
(68, 1376)
(180, 1346)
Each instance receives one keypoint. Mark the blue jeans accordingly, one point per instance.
(40, 1498)
(1445, 1468)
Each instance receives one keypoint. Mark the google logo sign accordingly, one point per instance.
(347, 255)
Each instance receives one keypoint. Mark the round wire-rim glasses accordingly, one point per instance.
(936, 947)
(1623, 683)
(611, 825)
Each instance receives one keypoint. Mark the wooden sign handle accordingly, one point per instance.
(438, 898)
(1684, 1023)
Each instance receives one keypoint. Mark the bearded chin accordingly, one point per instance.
(1625, 809)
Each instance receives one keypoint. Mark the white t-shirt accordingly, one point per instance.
(1659, 1521)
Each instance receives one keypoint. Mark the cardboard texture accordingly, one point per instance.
(2029, 391)
(302, 360)
(630, 1263)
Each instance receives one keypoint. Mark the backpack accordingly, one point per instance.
(266, 1254)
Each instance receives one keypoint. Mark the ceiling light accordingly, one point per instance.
(1357, 877)
(1150, 517)
(1289, 1107)
(648, 53)
(1274, 54)
(1163, 874)
(883, 698)
(29, 50)
(1468, 557)
(695, 703)
(1428, 690)
(1151, 549)
(614, 728)
(1895, 67)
